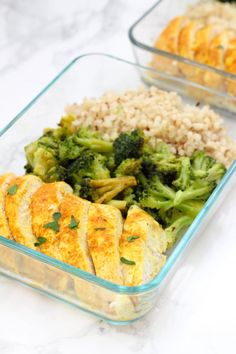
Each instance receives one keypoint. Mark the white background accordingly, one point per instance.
(196, 313)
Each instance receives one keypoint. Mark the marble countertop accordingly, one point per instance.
(196, 312)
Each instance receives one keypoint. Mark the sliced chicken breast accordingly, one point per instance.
(216, 54)
(104, 230)
(168, 41)
(142, 244)
(7, 256)
(17, 207)
(5, 181)
(230, 65)
(72, 238)
(45, 223)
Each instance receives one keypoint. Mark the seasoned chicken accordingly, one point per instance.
(168, 40)
(46, 224)
(209, 42)
(17, 207)
(230, 65)
(7, 259)
(104, 229)
(216, 53)
(72, 238)
(5, 181)
(141, 246)
(45, 218)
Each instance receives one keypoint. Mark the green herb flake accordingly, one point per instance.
(127, 261)
(41, 240)
(132, 238)
(100, 228)
(53, 225)
(56, 216)
(73, 223)
(12, 190)
(220, 46)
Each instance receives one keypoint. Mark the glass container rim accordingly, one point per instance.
(120, 289)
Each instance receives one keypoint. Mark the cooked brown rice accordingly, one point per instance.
(161, 115)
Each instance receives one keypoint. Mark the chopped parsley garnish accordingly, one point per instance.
(56, 216)
(41, 240)
(73, 223)
(53, 225)
(127, 261)
(12, 190)
(132, 238)
(100, 228)
(220, 46)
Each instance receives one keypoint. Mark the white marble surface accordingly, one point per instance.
(196, 313)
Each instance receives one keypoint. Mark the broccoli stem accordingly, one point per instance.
(120, 204)
(190, 207)
(163, 190)
(189, 194)
(96, 145)
(184, 177)
(108, 188)
(172, 232)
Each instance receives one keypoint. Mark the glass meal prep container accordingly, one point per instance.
(173, 69)
(87, 76)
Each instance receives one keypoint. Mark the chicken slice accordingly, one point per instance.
(72, 238)
(5, 181)
(168, 42)
(7, 255)
(186, 43)
(168, 39)
(17, 207)
(44, 204)
(230, 65)
(141, 246)
(104, 230)
(216, 54)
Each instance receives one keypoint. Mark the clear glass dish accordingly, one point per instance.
(86, 76)
(173, 70)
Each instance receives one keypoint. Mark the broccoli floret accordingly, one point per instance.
(195, 191)
(216, 173)
(42, 161)
(156, 195)
(174, 230)
(128, 145)
(128, 167)
(200, 163)
(129, 195)
(88, 165)
(161, 162)
(104, 190)
(91, 140)
(183, 180)
(109, 188)
(68, 149)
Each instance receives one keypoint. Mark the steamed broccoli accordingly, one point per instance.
(128, 167)
(200, 163)
(128, 146)
(183, 180)
(104, 190)
(173, 231)
(88, 165)
(42, 160)
(68, 149)
(92, 141)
